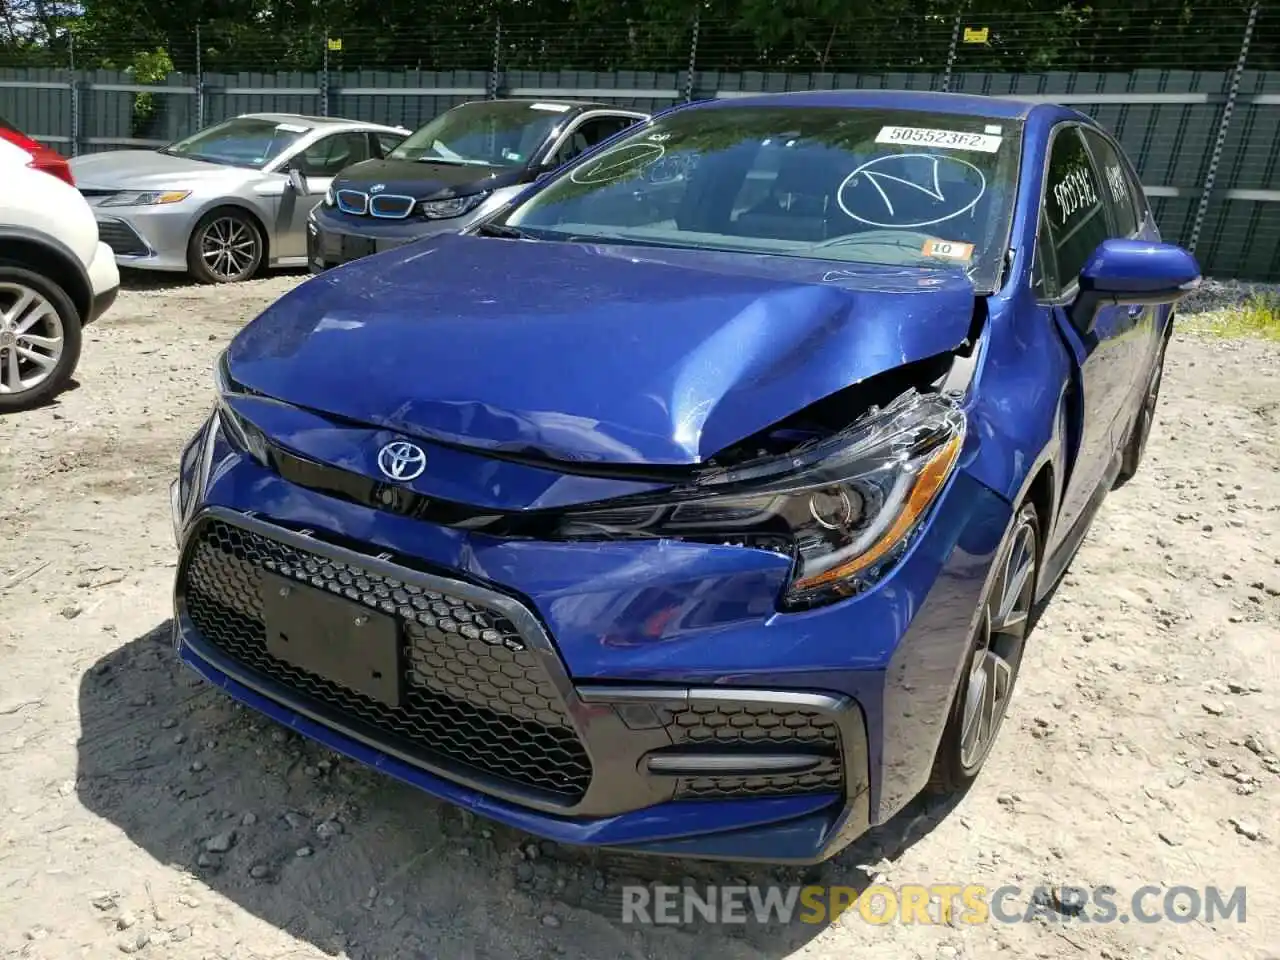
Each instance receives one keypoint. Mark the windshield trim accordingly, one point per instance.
(995, 266)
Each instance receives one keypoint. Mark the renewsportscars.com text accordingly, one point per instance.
(929, 904)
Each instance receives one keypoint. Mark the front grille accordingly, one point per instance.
(750, 726)
(391, 206)
(354, 202)
(122, 239)
(475, 694)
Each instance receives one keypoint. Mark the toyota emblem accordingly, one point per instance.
(402, 461)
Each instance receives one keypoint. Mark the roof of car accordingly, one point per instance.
(301, 119)
(1004, 108)
(570, 104)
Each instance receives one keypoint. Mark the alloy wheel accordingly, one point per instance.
(1002, 635)
(31, 338)
(229, 248)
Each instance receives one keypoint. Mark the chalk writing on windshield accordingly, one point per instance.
(907, 190)
(620, 162)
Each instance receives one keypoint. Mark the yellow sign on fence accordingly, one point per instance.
(976, 34)
(335, 43)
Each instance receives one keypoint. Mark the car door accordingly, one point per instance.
(1128, 219)
(319, 163)
(1074, 221)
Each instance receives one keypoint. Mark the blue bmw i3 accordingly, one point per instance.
(699, 502)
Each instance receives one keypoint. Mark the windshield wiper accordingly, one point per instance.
(501, 230)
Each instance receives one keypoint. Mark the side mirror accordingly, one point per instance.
(297, 182)
(1133, 273)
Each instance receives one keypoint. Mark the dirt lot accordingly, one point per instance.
(141, 812)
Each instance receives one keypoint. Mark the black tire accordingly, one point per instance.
(12, 278)
(1140, 431)
(225, 247)
(955, 767)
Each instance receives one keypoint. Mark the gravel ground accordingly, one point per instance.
(141, 812)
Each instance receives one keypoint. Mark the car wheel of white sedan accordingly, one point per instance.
(226, 247)
(39, 338)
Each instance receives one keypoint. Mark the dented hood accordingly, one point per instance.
(600, 354)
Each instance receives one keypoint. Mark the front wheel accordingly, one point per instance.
(994, 657)
(39, 338)
(226, 247)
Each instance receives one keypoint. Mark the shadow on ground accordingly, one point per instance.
(347, 859)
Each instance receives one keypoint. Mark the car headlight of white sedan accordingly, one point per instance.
(145, 198)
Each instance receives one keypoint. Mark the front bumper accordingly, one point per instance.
(555, 730)
(104, 282)
(335, 238)
(147, 238)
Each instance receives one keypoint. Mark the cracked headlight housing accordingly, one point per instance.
(243, 436)
(455, 207)
(844, 509)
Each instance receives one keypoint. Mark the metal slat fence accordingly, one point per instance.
(1206, 142)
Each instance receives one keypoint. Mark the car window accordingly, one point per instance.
(388, 142)
(1077, 220)
(240, 142)
(491, 133)
(588, 134)
(1118, 193)
(883, 186)
(328, 155)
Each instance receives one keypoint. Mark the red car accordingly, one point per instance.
(42, 158)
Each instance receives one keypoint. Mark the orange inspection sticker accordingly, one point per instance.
(948, 250)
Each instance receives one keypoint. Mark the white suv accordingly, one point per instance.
(55, 276)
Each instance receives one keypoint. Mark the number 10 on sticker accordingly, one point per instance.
(948, 250)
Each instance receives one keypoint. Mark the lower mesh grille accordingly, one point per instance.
(121, 238)
(748, 727)
(474, 693)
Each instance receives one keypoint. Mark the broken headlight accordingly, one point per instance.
(843, 508)
(243, 436)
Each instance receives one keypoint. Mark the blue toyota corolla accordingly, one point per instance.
(699, 502)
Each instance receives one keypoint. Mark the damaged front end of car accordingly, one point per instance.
(841, 507)
(842, 501)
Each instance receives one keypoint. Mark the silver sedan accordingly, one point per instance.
(229, 200)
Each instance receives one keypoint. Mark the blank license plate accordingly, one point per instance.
(344, 642)
(353, 248)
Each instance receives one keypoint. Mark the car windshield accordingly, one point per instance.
(892, 187)
(490, 133)
(239, 142)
